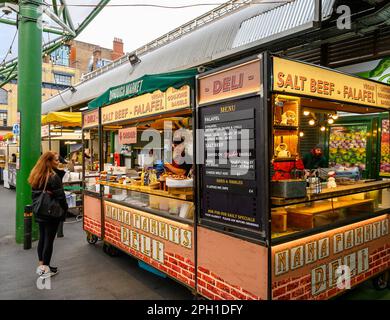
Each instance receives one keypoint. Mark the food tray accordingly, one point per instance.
(175, 183)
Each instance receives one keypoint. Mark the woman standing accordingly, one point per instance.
(44, 174)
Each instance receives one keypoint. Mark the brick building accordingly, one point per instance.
(60, 70)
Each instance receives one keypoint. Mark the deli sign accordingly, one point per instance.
(127, 136)
(229, 83)
(91, 119)
(304, 79)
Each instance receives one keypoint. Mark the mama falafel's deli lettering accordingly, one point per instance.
(147, 104)
(300, 78)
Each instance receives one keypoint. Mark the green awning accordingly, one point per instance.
(145, 84)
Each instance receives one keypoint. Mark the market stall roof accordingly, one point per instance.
(65, 119)
(146, 84)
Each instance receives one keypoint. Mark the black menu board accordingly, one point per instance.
(228, 173)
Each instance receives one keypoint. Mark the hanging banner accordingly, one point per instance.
(230, 83)
(127, 136)
(147, 105)
(308, 80)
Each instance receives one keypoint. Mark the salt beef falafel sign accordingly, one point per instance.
(147, 104)
(303, 79)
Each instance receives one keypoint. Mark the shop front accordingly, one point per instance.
(139, 204)
(285, 200)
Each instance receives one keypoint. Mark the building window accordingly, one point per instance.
(60, 56)
(63, 79)
(3, 118)
(3, 96)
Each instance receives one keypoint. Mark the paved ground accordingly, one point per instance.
(85, 271)
(88, 273)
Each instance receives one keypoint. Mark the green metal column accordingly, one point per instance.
(29, 103)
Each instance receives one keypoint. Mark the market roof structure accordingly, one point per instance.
(61, 21)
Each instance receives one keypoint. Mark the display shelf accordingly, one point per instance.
(285, 159)
(334, 192)
(147, 190)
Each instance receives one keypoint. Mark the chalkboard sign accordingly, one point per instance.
(228, 176)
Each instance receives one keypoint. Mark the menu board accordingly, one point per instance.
(228, 173)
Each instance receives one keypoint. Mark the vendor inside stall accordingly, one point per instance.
(179, 165)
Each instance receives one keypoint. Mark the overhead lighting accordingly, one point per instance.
(70, 142)
(84, 108)
(323, 129)
(330, 121)
(312, 122)
(306, 113)
(335, 116)
(133, 58)
(301, 134)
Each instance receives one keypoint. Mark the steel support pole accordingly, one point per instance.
(29, 104)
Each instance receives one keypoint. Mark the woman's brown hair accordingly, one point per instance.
(42, 168)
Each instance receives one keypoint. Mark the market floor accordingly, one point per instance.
(88, 273)
(85, 271)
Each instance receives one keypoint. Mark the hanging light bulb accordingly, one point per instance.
(323, 129)
(312, 122)
(306, 113)
(301, 134)
(330, 121)
(335, 116)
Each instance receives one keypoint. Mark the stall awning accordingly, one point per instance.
(64, 119)
(145, 84)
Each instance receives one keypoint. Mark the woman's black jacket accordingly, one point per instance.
(54, 185)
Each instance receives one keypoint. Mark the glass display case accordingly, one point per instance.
(91, 160)
(330, 210)
(169, 207)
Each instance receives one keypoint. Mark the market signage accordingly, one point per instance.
(303, 79)
(127, 136)
(146, 233)
(147, 105)
(229, 173)
(233, 82)
(91, 119)
(321, 255)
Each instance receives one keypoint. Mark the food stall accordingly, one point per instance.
(9, 156)
(267, 224)
(275, 227)
(92, 199)
(139, 207)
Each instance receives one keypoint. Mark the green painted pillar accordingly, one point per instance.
(29, 103)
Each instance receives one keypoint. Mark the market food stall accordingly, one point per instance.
(276, 205)
(61, 132)
(281, 224)
(9, 156)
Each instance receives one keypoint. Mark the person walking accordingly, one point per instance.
(44, 178)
